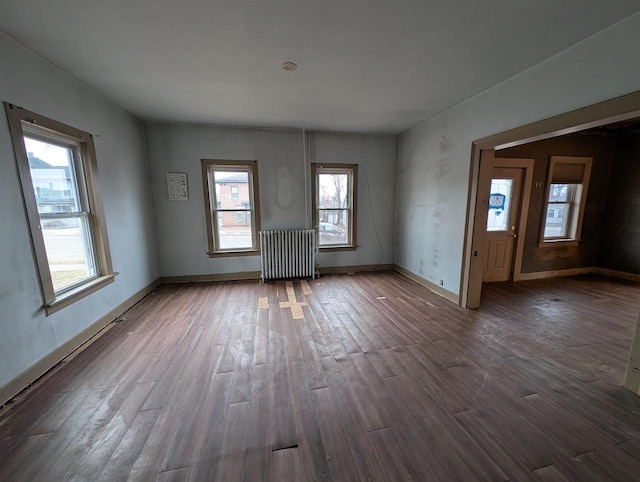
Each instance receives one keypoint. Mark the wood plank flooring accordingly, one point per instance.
(348, 377)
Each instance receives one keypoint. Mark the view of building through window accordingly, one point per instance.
(63, 209)
(558, 211)
(231, 193)
(233, 210)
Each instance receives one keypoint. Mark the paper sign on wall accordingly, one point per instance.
(177, 186)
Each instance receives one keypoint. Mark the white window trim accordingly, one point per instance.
(210, 203)
(575, 230)
(352, 170)
(19, 120)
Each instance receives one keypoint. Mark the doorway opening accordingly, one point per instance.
(484, 155)
(624, 109)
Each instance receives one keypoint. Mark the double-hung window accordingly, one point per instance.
(566, 198)
(232, 215)
(334, 205)
(58, 174)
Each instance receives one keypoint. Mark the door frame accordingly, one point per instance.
(607, 112)
(488, 161)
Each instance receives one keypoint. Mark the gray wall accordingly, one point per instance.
(27, 334)
(620, 236)
(434, 158)
(284, 204)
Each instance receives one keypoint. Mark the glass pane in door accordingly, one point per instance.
(499, 204)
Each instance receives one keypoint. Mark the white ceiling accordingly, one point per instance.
(363, 65)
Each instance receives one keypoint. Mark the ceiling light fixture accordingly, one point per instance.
(289, 66)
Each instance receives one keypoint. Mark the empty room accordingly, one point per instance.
(273, 241)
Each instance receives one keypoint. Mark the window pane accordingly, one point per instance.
(53, 177)
(68, 245)
(333, 226)
(559, 192)
(333, 190)
(557, 220)
(234, 230)
(499, 204)
(232, 189)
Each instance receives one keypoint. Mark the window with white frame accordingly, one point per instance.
(232, 214)
(566, 198)
(334, 205)
(58, 174)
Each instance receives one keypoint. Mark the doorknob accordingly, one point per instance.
(514, 235)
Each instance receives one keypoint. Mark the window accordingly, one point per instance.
(499, 204)
(566, 198)
(231, 191)
(58, 174)
(334, 206)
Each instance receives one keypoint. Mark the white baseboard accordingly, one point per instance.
(578, 271)
(617, 274)
(255, 275)
(203, 278)
(555, 273)
(355, 269)
(31, 374)
(439, 290)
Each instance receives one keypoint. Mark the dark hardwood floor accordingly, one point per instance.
(350, 377)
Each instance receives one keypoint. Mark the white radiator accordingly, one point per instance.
(288, 254)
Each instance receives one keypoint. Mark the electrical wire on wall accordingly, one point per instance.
(373, 221)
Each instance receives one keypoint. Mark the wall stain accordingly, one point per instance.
(284, 182)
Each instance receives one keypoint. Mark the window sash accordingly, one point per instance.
(575, 173)
(571, 206)
(90, 258)
(566, 224)
(82, 165)
(349, 203)
(210, 168)
(81, 212)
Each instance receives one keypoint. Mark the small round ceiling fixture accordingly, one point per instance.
(289, 66)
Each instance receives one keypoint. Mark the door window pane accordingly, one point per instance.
(499, 204)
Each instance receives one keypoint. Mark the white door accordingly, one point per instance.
(502, 223)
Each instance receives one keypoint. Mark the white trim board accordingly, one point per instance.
(439, 290)
(578, 271)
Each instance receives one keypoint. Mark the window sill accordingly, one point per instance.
(229, 254)
(78, 293)
(555, 243)
(337, 248)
